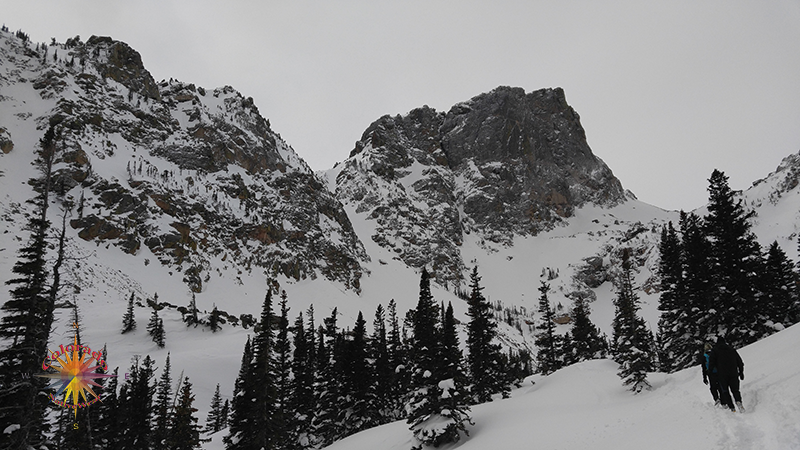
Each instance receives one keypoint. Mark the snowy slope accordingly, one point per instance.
(585, 407)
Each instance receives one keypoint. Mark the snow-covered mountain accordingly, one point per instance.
(174, 189)
(500, 165)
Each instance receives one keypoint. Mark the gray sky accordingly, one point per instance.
(667, 91)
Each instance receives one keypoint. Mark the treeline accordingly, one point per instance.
(717, 280)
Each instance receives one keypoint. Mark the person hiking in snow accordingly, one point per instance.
(709, 376)
(730, 369)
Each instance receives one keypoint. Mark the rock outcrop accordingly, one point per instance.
(500, 165)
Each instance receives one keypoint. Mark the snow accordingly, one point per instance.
(586, 406)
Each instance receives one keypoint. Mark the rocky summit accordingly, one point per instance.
(192, 175)
(502, 164)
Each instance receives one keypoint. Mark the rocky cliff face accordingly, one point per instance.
(500, 165)
(190, 174)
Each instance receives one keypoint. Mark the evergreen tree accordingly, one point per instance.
(546, 338)
(437, 410)
(484, 357)
(241, 415)
(329, 382)
(225, 414)
(735, 260)
(383, 371)
(136, 405)
(398, 357)
(282, 374)
(255, 415)
(155, 328)
(128, 320)
(214, 420)
(670, 269)
(213, 320)
(780, 307)
(108, 426)
(25, 325)
(184, 430)
(632, 341)
(586, 341)
(191, 317)
(357, 407)
(302, 388)
(700, 318)
(163, 408)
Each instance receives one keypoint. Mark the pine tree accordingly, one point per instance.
(632, 345)
(128, 320)
(184, 430)
(255, 415)
(25, 325)
(302, 386)
(163, 408)
(191, 317)
(702, 320)
(484, 357)
(241, 414)
(455, 397)
(213, 320)
(329, 381)
(546, 338)
(155, 328)
(357, 408)
(136, 406)
(108, 426)
(586, 341)
(382, 368)
(398, 357)
(282, 374)
(735, 260)
(214, 420)
(780, 306)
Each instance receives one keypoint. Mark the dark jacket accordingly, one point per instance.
(726, 360)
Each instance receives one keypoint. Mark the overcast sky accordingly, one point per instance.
(667, 91)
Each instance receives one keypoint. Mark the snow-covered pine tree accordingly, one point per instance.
(328, 385)
(398, 362)
(214, 419)
(382, 368)
(677, 332)
(424, 402)
(546, 339)
(155, 328)
(254, 407)
(735, 261)
(302, 387)
(241, 416)
(184, 432)
(213, 320)
(586, 340)
(696, 304)
(486, 375)
(455, 410)
(632, 342)
(282, 367)
(779, 285)
(26, 321)
(191, 317)
(357, 408)
(128, 319)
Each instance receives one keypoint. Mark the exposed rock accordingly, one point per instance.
(6, 144)
(502, 164)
